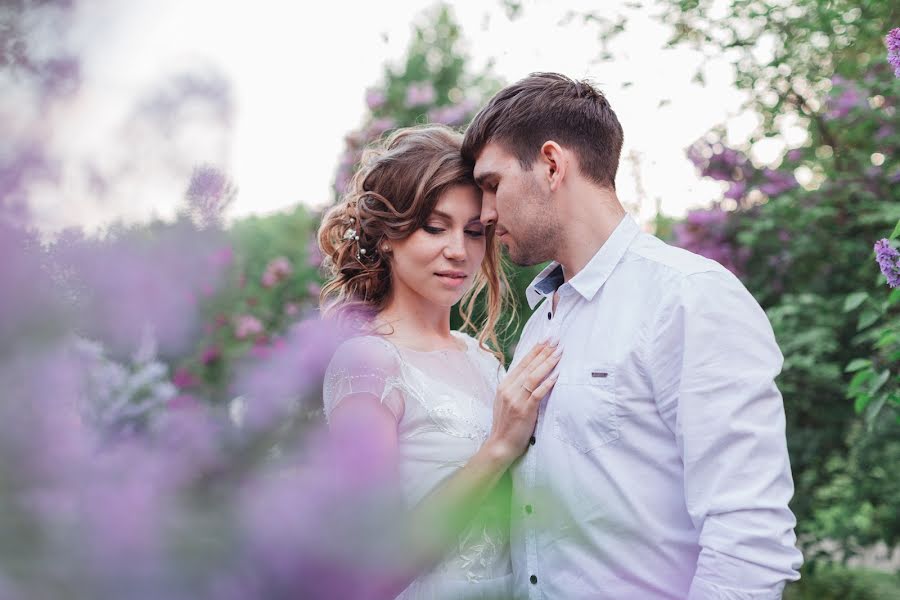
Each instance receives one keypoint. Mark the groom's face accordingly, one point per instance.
(517, 204)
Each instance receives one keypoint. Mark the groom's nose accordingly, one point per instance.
(488, 211)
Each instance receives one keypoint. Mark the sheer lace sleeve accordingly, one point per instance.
(364, 365)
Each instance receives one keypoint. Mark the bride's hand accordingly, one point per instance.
(518, 398)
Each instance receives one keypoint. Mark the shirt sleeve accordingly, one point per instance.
(714, 360)
(367, 366)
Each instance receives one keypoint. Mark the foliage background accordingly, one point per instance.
(798, 231)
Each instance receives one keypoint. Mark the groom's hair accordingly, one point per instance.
(550, 106)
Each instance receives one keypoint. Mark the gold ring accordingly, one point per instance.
(528, 389)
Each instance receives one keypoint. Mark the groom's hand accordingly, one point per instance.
(518, 398)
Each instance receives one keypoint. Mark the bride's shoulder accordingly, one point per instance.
(369, 351)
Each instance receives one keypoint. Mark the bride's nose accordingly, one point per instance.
(455, 249)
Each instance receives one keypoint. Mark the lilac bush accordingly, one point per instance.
(892, 41)
(888, 261)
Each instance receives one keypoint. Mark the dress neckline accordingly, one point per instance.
(456, 334)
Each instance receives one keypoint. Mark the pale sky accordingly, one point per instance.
(299, 76)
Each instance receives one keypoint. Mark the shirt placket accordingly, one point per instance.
(551, 328)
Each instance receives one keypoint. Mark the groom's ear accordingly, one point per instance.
(554, 163)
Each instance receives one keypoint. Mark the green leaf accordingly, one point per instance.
(856, 364)
(887, 338)
(896, 232)
(894, 297)
(873, 409)
(856, 383)
(852, 301)
(867, 318)
(879, 381)
(861, 402)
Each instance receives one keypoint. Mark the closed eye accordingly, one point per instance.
(432, 230)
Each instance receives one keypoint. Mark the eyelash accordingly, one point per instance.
(437, 230)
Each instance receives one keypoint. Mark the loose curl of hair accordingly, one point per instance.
(392, 195)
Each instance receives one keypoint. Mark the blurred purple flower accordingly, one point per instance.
(313, 289)
(210, 354)
(884, 131)
(795, 155)
(276, 271)
(453, 115)
(777, 182)
(705, 232)
(246, 326)
(720, 162)
(736, 190)
(888, 261)
(183, 379)
(291, 309)
(271, 387)
(420, 94)
(375, 98)
(892, 41)
(208, 195)
(313, 253)
(377, 127)
(845, 96)
(138, 279)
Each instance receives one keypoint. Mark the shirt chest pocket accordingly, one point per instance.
(585, 410)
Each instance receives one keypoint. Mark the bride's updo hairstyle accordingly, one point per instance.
(399, 181)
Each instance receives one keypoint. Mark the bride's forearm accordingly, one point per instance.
(442, 514)
(435, 522)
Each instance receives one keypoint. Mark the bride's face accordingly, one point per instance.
(439, 261)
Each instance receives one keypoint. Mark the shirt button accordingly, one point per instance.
(528, 508)
(549, 315)
(532, 440)
(534, 579)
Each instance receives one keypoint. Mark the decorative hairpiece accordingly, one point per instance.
(352, 235)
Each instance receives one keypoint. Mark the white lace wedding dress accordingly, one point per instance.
(443, 404)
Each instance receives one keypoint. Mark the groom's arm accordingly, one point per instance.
(713, 363)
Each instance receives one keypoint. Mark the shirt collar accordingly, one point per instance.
(594, 274)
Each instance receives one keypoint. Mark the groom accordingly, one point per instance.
(658, 466)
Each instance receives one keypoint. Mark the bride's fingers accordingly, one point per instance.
(542, 369)
(524, 364)
(544, 388)
(524, 375)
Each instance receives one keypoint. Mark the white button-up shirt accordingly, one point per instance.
(659, 466)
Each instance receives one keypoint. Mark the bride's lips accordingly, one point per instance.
(452, 278)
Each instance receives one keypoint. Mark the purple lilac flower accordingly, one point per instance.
(719, 162)
(246, 326)
(736, 190)
(313, 254)
(888, 261)
(892, 41)
(375, 98)
(704, 232)
(208, 194)
(420, 94)
(845, 97)
(277, 270)
(777, 182)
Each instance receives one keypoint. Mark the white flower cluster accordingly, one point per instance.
(123, 397)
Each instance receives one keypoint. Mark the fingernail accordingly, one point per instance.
(553, 340)
(557, 353)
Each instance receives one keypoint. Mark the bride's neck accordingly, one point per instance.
(414, 321)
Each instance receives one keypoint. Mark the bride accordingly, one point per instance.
(403, 246)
